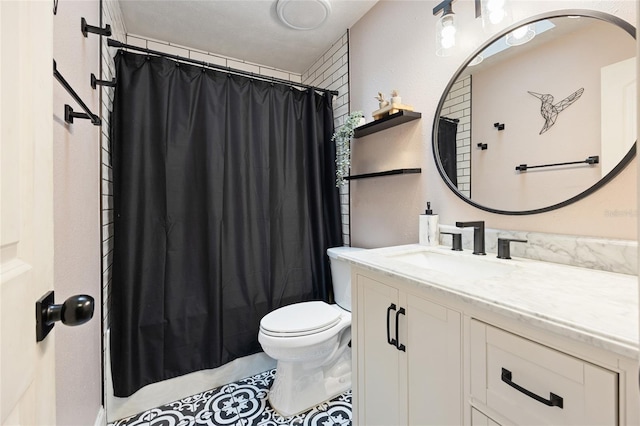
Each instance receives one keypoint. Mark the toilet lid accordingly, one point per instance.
(300, 319)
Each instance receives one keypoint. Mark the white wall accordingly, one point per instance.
(76, 183)
(393, 46)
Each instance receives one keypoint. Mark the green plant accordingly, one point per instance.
(342, 137)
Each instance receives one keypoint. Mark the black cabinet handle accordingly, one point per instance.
(391, 341)
(400, 346)
(553, 401)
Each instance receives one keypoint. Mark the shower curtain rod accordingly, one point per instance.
(116, 43)
(454, 120)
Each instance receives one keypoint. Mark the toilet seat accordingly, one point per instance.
(300, 319)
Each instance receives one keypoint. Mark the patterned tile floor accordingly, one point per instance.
(243, 403)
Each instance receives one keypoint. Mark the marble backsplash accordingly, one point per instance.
(594, 253)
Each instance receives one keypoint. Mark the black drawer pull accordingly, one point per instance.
(398, 345)
(553, 401)
(391, 341)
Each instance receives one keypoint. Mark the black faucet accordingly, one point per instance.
(504, 248)
(456, 243)
(478, 235)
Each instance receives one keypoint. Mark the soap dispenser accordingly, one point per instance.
(429, 234)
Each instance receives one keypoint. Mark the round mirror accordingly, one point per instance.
(540, 116)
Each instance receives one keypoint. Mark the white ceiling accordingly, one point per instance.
(242, 29)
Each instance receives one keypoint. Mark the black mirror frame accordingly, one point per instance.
(630, 29)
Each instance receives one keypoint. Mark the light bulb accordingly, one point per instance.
(445, 35)
(495, 14)
(448, 31)
(520, 32)
(520, 35)
(448, 42)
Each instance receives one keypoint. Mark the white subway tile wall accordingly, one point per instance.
(112, 15)
(331, 71)
(211, 58)
(457, 104)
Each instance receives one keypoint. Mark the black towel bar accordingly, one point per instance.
(69, 115)
(594, 159)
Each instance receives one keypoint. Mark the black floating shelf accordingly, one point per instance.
(387, 122)
(385, 173)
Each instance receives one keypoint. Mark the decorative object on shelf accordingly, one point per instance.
(381, 101)
(395, 97)
(594, 159)
(549, 111)
(499, 126)
(342, 137)
(387, 108)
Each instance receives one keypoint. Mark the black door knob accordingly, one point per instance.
(75, 310)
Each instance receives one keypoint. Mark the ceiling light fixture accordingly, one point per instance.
(445, 29)
(521, 35)
(303, 14)
(494, 13)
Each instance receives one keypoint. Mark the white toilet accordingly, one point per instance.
(310, 342)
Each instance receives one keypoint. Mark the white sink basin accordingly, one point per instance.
(457, 264)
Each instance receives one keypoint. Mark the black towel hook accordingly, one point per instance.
(86, 28)
(95, 82)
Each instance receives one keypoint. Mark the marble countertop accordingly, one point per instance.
(595, 307)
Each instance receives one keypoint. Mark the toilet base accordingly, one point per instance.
(296, 388)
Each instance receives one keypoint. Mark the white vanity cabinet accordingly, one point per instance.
(427, 355)
(407, 355)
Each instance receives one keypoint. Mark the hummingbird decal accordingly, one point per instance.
(550, 111)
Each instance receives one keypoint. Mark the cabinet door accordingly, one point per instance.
(379, 391)
(434, 363)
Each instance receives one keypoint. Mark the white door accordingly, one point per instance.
(618, 112)
(27, 376)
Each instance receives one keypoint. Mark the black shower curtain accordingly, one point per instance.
(447, 131)
(224, 203)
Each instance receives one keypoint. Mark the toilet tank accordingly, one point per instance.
(341, 276)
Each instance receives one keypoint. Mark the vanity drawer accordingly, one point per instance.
(531, 384)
